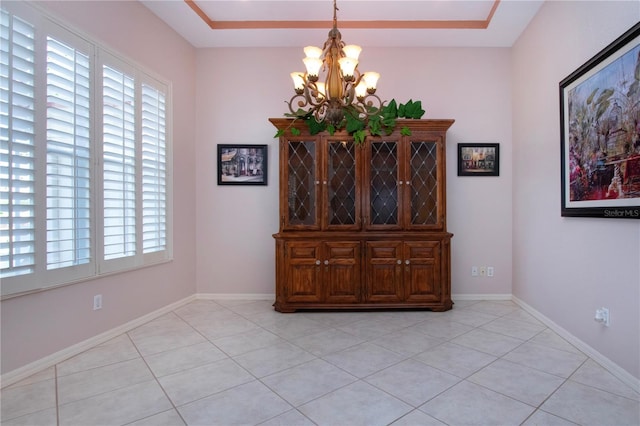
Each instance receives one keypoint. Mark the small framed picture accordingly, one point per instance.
(478, 159)
(242, 164)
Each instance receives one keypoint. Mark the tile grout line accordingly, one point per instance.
(157, 381)
(369, 340)
(55, 371)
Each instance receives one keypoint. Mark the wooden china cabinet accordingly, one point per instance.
(363, 226)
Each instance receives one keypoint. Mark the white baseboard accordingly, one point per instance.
(500, 296)
(55, 358)
(219, 296)
(605, 362)
(23, 372)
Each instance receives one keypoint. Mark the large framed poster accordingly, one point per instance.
(600, 133)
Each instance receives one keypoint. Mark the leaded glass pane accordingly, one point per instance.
(342, 183)
(302, 183)
(384, 188)
(424, 183)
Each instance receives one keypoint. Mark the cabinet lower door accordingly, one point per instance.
(384, 272)
(303, 272)
(422, 281)
(342, 272)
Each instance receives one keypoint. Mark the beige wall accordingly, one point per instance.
(566, 268)
(40, 324)
(471, 85)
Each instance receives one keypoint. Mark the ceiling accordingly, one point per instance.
(383, 23)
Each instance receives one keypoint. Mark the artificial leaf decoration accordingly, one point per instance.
(375, 129)
(314, 126)
(359, 136)
(402, 109)
(354, 123)
(411, 110)
(390, 110)
(279, 133)
(373, 122)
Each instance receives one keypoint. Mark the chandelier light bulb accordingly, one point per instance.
(313, 52)
(361, 90)
(352, 51)
(348, 67)
(298, 81)
(313, 66)
(371, 80)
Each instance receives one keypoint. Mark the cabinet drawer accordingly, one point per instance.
(384, 249)
(301, 251)
(423, 249)
(348, 251)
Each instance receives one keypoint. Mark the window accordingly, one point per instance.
(17, 147)
(119, 163)
(84, 157)
(68, 156)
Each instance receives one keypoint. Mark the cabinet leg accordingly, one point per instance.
(445, 307)
(283, 309)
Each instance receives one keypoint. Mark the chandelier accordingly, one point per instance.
(343, 90)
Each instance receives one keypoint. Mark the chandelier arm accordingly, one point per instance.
(301, 104)
(313, 94)
(372, 104)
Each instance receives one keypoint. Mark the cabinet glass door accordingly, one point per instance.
(423, 186)
(301, 185)
(382, 177)
(342, 195)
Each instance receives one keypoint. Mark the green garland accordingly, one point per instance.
(353, 124)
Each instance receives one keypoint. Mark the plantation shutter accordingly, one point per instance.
(85, 146)
(68, 156)
(119, 163)
(17, 147)
(154, 185)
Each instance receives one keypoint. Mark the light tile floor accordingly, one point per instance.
(241, 363)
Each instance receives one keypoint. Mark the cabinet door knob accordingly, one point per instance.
(399, 262)
(407, 261)
(400, 183)
(317, 182)
(317, 262)
(326, 262)
(408, 183)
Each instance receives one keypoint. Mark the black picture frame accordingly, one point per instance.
(478, 159)
(242, 164)
(600, 134)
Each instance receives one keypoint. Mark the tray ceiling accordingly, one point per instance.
(412, 23)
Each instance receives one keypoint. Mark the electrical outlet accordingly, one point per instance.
(602, 316)
(489, 271)
(474, 271)
(483, 271)
(97, 302)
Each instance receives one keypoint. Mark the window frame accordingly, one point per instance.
(42, 279)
